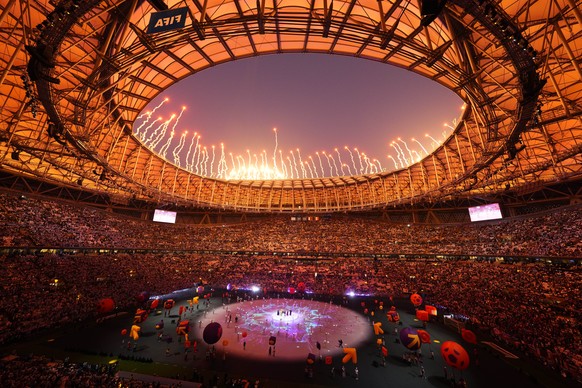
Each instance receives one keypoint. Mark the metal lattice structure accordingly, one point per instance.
(75, 74)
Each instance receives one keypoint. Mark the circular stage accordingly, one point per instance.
(287, 329)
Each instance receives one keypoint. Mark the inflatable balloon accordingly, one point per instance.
(393, 316)
(469, 336)
(416, 299)
(422, 315)
(424, 336)
(244, 334)
(143, 296)
(301, 287)
(212, 333)
(384, 351)
(140, 316)
(431, 310)
(310, 358)
(410, 339)
(183, 328)
(350, 354)
(134, 334)
(455, 355)
(106, 305)
(378, 328)
(169, 304)
(291, 290)
(124, 332)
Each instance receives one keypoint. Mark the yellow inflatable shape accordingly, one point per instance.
(350, 355)
(134, 334)
(378, 329)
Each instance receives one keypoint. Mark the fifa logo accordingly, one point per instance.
(168, 21)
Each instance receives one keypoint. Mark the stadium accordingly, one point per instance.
(307, 262)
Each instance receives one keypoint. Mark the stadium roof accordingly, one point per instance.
(75, 74)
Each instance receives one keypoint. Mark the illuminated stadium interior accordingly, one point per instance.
(76, 77)
(80, 187)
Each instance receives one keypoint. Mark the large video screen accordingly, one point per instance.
(165, 216)
(485, 212)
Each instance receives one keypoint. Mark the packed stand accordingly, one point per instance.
(522, 305)
(41, 372)
(30, 222)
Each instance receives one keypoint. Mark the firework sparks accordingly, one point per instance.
(203, 159)
(176, 152)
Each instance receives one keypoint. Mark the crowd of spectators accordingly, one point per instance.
(30, 222)
(41, 372)
(532, 307)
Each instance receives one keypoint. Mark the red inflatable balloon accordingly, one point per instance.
(140, 316)
(124, 332)
(469, 336)
(431, 310)
(424, 336)
(416, 299)
(143, 296)
(106, 305)
(455, 355)
(169, 304)
(422, 315)
(301, 287)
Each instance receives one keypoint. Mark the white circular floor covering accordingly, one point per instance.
(297, 325)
